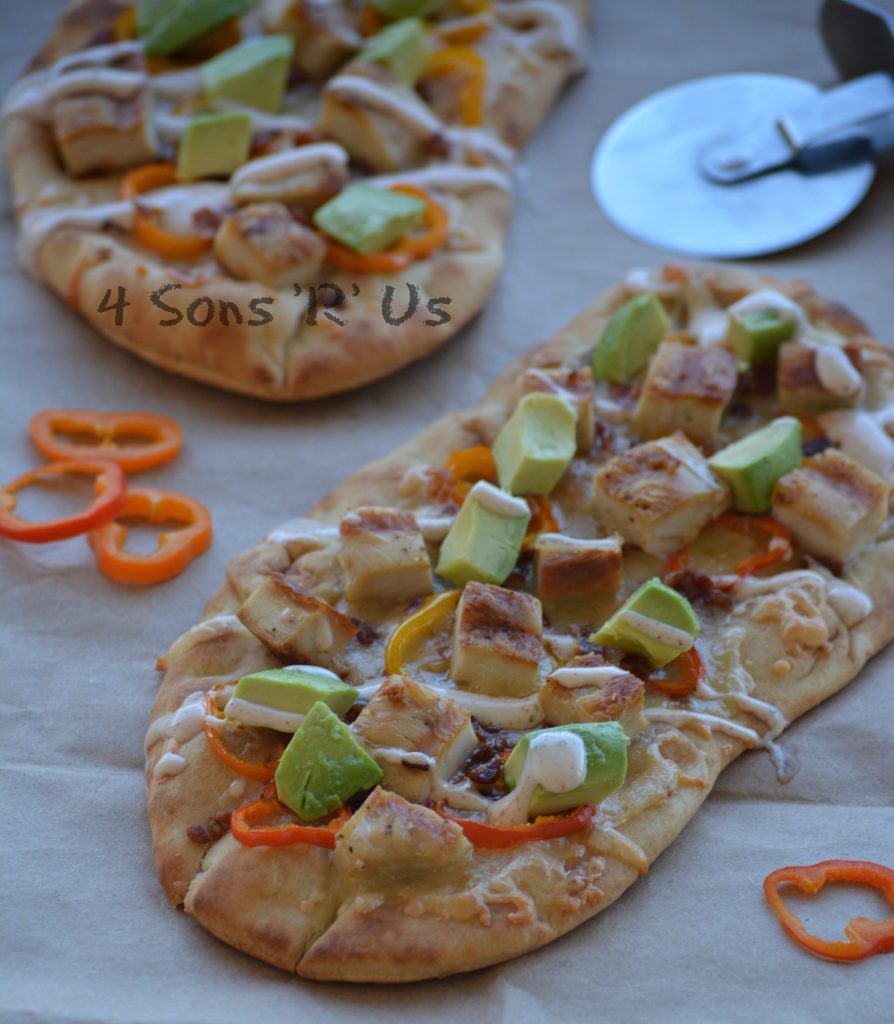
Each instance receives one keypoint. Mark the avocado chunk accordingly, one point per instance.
(755, 337)
(213, 146)
(486, 537)
(402, 47)
(395, 10)
(654, 621)
(280, 697)
(605, 749)
(369, 219)
(322, 766)
(752, 465)
(537, 442)
(630, 338)
(166, 26)
(253, 73)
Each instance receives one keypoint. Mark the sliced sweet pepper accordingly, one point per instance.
(681, 677)
(109, 485)
(865, 936)
(159, 438)
(430, 617)
(414, 246)
(260, 824)
(543, 519)
(469, 71)
(175, 550)
(761, 529)
(493, 837)
(146, 229)
(261, 771)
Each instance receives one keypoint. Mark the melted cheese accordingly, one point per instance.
(555, 760)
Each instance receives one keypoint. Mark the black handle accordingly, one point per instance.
(859, 37)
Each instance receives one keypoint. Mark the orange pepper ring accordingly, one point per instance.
(175, 550)
(246, 832)
(109, 487)
(436, 222)
(472, 89)
(691, 663)
(865, 936)
(251, 770)
(164, 435)
(552, 826)
(145, 229)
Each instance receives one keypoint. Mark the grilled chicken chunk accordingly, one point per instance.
(305, 176)
(435, 732)
(686, 388)
(812, 379)
(296, 624)
(263, 242)
(390, 838)
(378, 119)
(323, 33)
(658, 495)
(383, 556)
(589, 690)
(574, 384)
(832, 506)
(97, 134)
(497, 641)
(569, 569)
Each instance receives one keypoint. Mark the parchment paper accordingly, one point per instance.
(86, 931)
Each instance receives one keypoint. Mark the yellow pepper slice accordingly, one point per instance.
(469, 70)
(431, 616)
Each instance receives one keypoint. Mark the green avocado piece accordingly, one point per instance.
(752, 465)
(166, 26)
(630, 338)
(485, 539)
(369, 219)
(296, 689)
(403, 47)
(213, 146)
(755, 337)
(253, 73)
(605, 744)
(322, 766)
(639, 625)
(536, 443)
(395, 10)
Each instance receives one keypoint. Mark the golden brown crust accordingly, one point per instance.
(794, 646)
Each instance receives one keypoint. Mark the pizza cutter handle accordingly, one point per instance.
(844, 108)
(858, 36)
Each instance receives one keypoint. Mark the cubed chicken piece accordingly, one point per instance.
(390, 838)
(658, 495)
(497, 641)
(687, 388)
(303, 176)
(263, 242)
(98, 134)
(569, 569)
(383, 556)
(588, 689)
(379, 120)
(574, 384)
(417, 735)
(297, 625)
(324, 33)
(832, 506)
(811, 379)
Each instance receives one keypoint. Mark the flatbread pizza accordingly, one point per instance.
(283, 199)
(460, 707)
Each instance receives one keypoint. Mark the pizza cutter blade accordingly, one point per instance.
(650, 172)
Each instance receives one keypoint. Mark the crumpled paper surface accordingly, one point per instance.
(87, 932)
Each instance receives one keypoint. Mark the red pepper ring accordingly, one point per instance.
(109, 486)
(245, 824)
(865, 936)
(175, 550)
(680, 677)
(163, 437)
(553, 826)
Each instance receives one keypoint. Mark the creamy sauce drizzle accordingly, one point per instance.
(703, 723)
(249, 713)
(836, 372)
(861, 437)
(409, 113)
(593, 675)
(497, 501)
(555, 760)
(176, 728)
(660, 631)
(448, 178)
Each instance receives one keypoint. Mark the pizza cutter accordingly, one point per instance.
(739, 165)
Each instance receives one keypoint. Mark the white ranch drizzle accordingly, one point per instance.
(767, 298)
(98, 56)
(411, 114)
(461, 795)
(849, 604)
(397, 755)
(555, 760)
(559, 27)
(497, 501)
(463, 141)
(308, 531)
(176, 728)
(178, 204)
(204, 630)
(707, 323)
(434, 528)
(609, 841)
(768, 713)
(754, 586)
(172, 126)
(660, 631)
(583, 675)
(168, 764)
(836, 372)
(39, 223)
(448, 178)
(249, 713)
(276, 167)
(177, 85)
(861, 437)
(678, 451)
(233, 794)
(503, 712)
(562, 646)
(703, 723)
(612, 543)
(35, 102)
